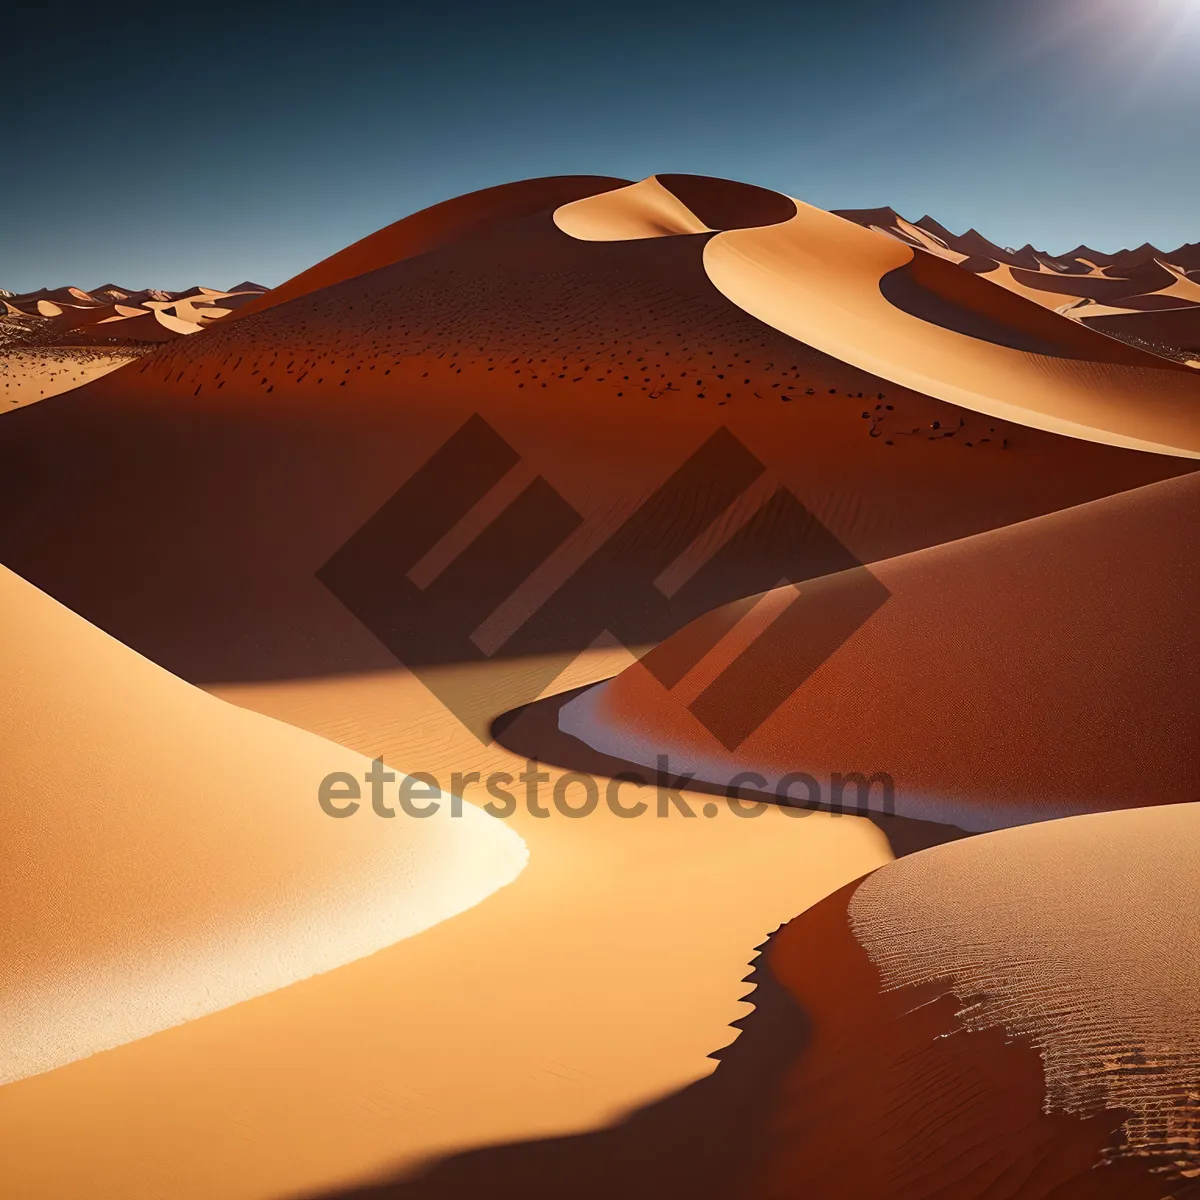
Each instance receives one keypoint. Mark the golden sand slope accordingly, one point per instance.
(642, 210)
(29, 374)
(164, 854)
(598, 981)
(1080, 935)
(818, 278)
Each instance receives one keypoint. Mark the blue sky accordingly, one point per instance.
(255, 140)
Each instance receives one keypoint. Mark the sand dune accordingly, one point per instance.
(529, 416)
(867, 300)
(431, 228)
(30, 374)
(1079, 936)
(168, 858)
(1020, 1023)
(659, 207)
(1081, 283)
(1019, 675)
(642, 210)
(579, 355)
(555, 1006)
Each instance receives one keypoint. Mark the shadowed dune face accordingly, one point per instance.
(1019, 675)
(943, 294)
(891, 1098)
(725, 204)
(431, 228)
(193, 498)
(817, 277)
(167, 857)
(1179, 327)
(1079, 936)
(1082, 284)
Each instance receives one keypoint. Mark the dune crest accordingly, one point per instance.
(817, 278)
(169, 857)
(672, 205)
(642, 210)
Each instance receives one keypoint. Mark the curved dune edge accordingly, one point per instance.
(892, 1097)
(642, 210)
(434, 227)
(816, 278)
(165, 856)
(1013, 676)
(1080, 935)
(672, 205)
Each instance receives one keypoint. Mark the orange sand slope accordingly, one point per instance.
(558, 1005)
(1027, 1000)
(1080, 936)
(237, 464)
(167, 856)
(659, 207)
(437, 226)
(1022, 674)
(922, 322)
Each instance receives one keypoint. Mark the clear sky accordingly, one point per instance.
(169, 145)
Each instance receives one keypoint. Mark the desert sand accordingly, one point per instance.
(1079, 936)
(1162, 287)
(31, 374)
(169, 858)
(1015, 676)
(921, 322)
(562, 421)
(562, 1002)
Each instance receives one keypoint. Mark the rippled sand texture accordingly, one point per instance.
(1081, 935)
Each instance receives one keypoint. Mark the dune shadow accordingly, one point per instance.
(943, 294)
(703, 1141)
(533, 732)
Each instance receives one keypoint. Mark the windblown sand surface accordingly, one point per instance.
(1027, 673)
(1162, 287)
(249, 456)
(889, 1096)
(114, 317)
(168, 858)
(29, 375)
(1078, 935)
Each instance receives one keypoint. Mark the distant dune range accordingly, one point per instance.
(1146, 296)
(656, 414)
(53, 340)
(113, 315)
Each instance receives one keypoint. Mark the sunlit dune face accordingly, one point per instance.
(1080, 935)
